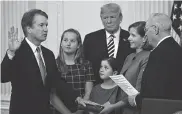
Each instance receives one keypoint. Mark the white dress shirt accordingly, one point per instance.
(116, 40)
(34, 47)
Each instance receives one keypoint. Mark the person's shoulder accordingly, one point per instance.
(172, 44)
(86, 62)
(96, 88)
(131, 55)
(95, 33)
(124, 32)
(143, 55)
(92, 37)
(124, 36)
(46, 49)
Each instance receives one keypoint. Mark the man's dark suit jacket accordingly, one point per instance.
(163, 74)
(29, 94)
(95, 49)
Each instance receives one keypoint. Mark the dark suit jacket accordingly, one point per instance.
(163, 74)
(29, 95)
(95, 49)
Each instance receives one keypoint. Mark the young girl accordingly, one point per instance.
(73, 68)
(108, 93)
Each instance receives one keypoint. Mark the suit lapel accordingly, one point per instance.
(103, 43)
(46, 58)
(121, 44)
(30, 60)
(29, 55)
(127, 63)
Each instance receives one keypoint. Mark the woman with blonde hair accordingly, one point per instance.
(73, 67)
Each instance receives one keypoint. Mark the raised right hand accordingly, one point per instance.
(13, 41)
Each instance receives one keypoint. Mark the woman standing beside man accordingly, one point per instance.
(136, 62)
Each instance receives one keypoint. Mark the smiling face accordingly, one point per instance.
(38, 31)
(105, 70)
(136, 41)
(69, 43)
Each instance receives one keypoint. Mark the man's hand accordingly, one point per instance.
(131, 100)
(13, 41)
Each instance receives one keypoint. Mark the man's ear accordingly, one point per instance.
(28, 29)
(156, 28)
(144, 39)
(121, 18)
(115, 72)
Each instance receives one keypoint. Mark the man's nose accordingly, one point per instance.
(129, 39)
(45, 28)
(109, 20)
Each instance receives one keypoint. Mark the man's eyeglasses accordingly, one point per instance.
(146, 29)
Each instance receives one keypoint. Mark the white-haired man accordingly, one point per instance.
(163, 74)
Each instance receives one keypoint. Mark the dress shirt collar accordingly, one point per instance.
(33, 47)
(115, 34)
(163, 40)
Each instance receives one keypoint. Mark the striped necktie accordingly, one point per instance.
(41, 65)
(110, 46)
